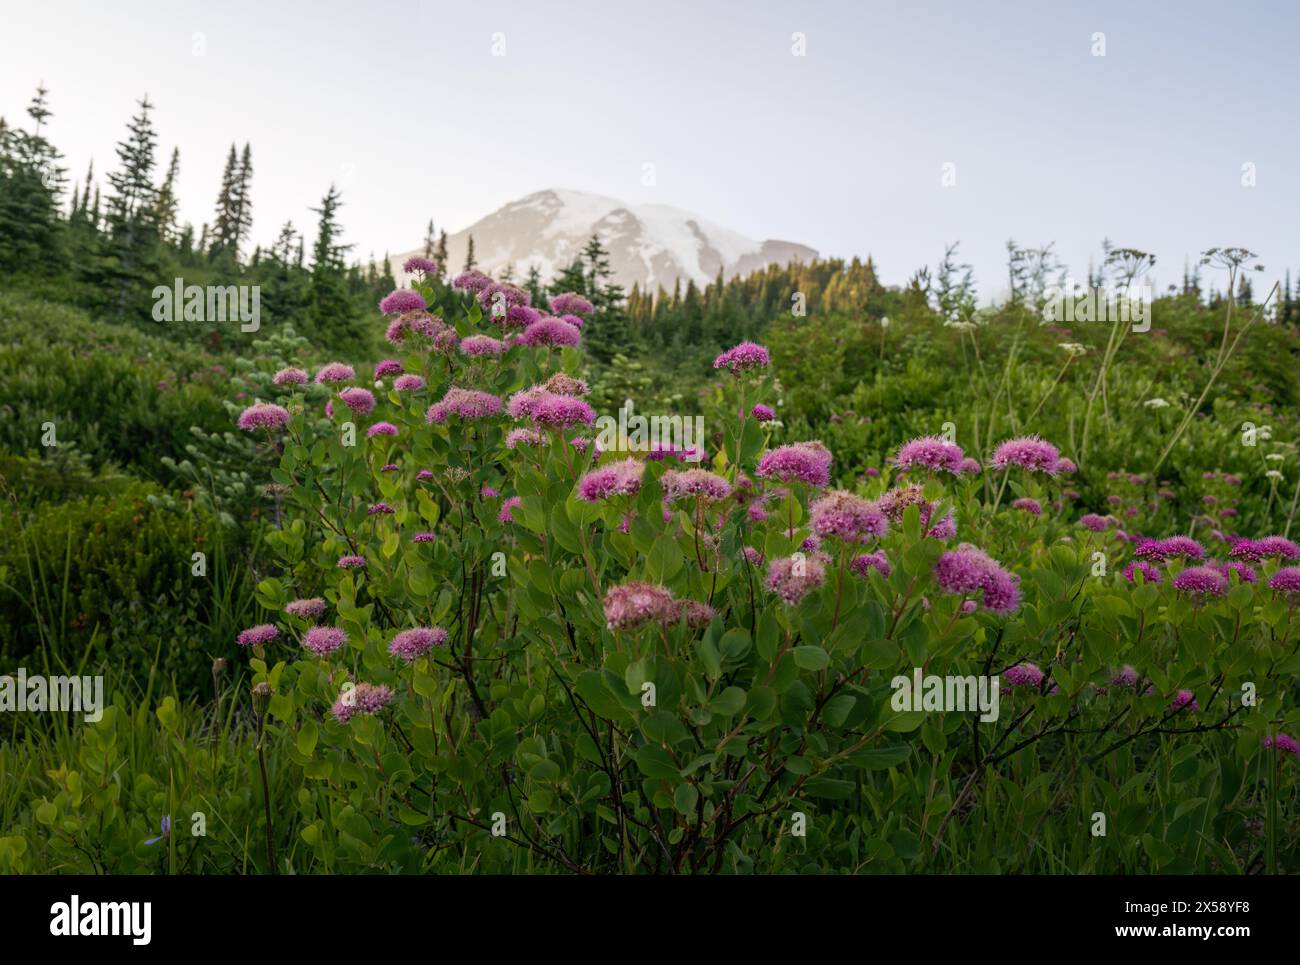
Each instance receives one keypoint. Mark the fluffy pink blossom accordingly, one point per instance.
(806, 462)
(571, 303)
(471, 281)
(505, 516)
(361, 699)
(416, 642)
(323, 641)
(968, 569)
(1030, 453)
(863, 564)
(745, 357)
(933, 453)
(794, 577)
(417, 263)
(290, 376)
(466, 403)
(335, 372)
(402, 300)
(550, 332)
(633, 605)
(381, 429)
(694, 482)
(308, 609)
(263, 415)
(622, 478)
(262, 633)
(1201, 582)
(360, 401)
(846, 516)
(477, 346)
(408, 383)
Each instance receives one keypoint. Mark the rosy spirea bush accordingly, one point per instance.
(645, 663)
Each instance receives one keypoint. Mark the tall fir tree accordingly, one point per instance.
(470, 262)
(31, 182)
(167, 203)
(132, 267)
(330, 310)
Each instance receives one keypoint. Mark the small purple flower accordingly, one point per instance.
(408, 383)
(933, 453)
(416, 642)
(290, 376)
(166, 826)
(863, 564)
(1288, 745)
(794, 577)
(323, 641)
(806, 462)
(402, 300)
(471, 281)
(1098, 524)
(387, 367)
(1185, 698)
(1031, 506)
(361, 699)
(1030, 453)
(379, 509)
(1245, 572)
(523, 437)
(550, 332)
(621, 478)
(263, 415)
(762, 413)
(693, 482)
(1201, 582)
(848, 517)
(360, 401)
(352, 562)
(1023, 675)
(968, 467)
(423, 538)
(381, 429)
(416, 263)
(262, 633)
(1148, 571)
(633, 605)
(466, 403)
(308, 609)
(571, 303)
(968, 570)
(1286, 580)
(514, 502)
(477, 346)
(335, 372)
(745, 357)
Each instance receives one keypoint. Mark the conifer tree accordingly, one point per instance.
(133, 267)
(470, 262)
(167, 201)
(31, 182)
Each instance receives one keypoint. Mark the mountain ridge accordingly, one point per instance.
(649, 244)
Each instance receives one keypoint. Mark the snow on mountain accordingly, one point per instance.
(649, 244)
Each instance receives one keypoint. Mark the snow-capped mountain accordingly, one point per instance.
(649, 244)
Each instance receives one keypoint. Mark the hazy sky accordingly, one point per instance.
(407, 108)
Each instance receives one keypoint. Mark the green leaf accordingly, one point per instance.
(307, 738)
(811, 658)
(729, 702)
(685, 798)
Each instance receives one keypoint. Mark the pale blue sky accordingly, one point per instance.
(405, 106)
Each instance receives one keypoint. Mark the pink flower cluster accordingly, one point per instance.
(466, 403)
(968, 570)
